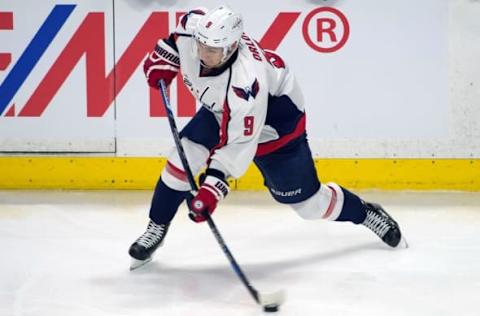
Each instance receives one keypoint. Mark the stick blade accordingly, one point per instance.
(274, 298)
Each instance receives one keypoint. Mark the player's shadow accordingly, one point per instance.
(265, 269)
(157, 284)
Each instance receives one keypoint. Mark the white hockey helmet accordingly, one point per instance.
(221, 28)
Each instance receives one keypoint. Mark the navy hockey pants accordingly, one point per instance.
(289, 173)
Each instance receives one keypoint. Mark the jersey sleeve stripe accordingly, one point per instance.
(225, 119)
(176, 172)
(223, 127)
(184, 19)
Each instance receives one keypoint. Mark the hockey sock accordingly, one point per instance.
(353, 209)
(165, 203)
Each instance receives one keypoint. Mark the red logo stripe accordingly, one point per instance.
(278, 30)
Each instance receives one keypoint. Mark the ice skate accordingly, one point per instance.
(142, 249)
(383, 225)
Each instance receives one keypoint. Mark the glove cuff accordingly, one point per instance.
(217, 186)
(166, 53)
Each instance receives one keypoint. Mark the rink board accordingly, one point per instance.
(75, 112)
(142, 173)
(368, 94)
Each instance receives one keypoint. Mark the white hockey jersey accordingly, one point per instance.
(254, 96)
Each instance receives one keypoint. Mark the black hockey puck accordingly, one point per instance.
(270, 308)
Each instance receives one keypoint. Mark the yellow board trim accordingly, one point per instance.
(42, 172)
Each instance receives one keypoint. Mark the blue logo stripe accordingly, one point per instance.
(32, 54)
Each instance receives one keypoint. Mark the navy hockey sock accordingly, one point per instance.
(165, 203)
(353, 209)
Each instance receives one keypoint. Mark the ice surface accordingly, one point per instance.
(65, 253)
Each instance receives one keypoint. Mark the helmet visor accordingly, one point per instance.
(209, 56)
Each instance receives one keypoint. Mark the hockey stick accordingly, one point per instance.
(269, 301)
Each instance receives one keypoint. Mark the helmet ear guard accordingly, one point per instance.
(228, 51)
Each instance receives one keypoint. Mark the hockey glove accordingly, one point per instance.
(162, 63)
(212, 190)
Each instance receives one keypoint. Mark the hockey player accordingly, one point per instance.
(253, 110)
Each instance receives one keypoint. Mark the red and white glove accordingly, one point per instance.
(162, 63)
(212, 190)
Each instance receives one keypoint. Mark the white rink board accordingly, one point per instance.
(385, 93)
(63, 125)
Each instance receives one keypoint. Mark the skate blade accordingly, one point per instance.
(404, 243)
(135, 264)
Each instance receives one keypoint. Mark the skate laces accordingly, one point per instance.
(377, 223)
(152, 236)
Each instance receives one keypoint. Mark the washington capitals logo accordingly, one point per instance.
(246, 92)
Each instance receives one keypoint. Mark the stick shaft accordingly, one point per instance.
(176, 137)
